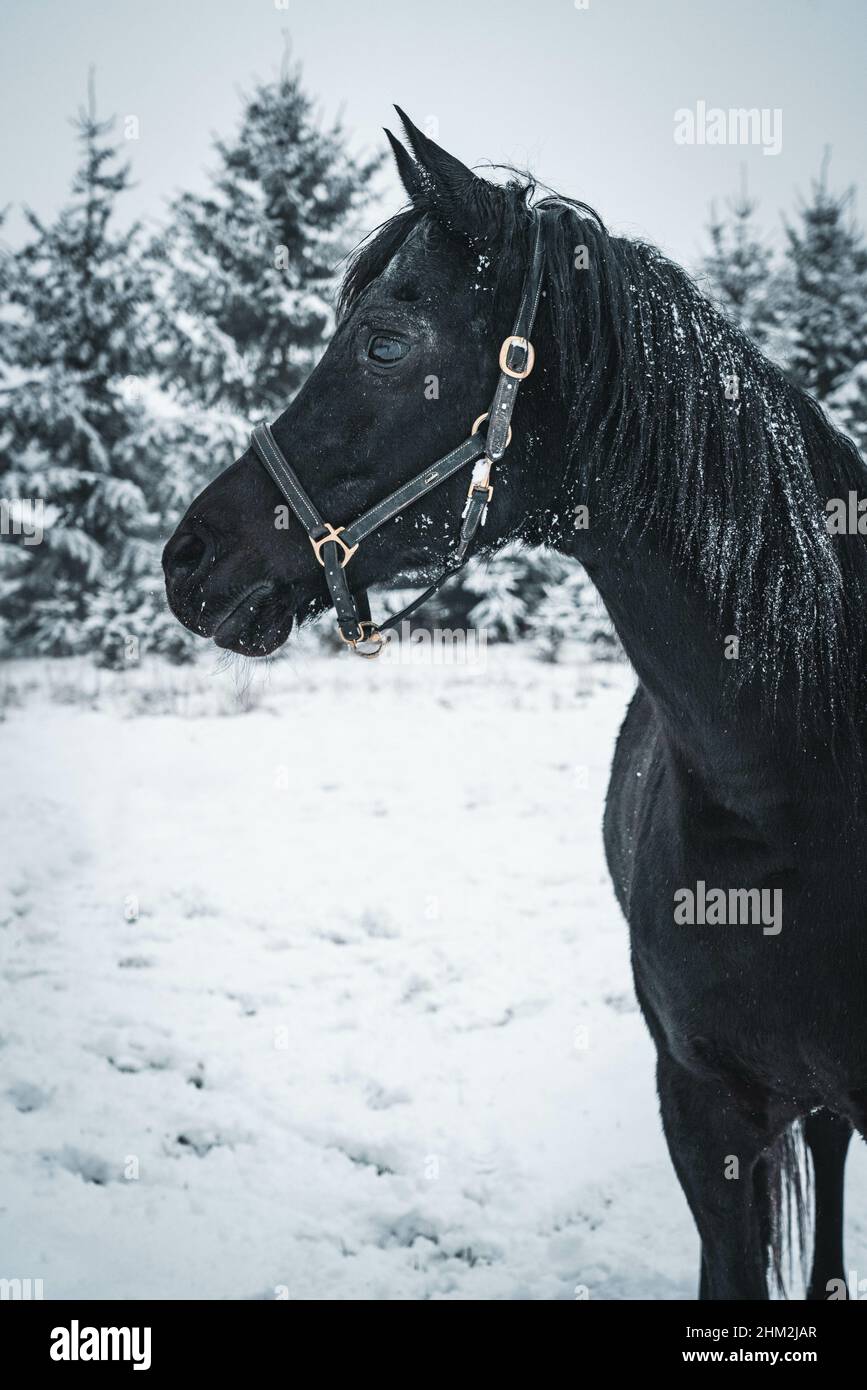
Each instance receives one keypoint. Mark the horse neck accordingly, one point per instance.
(719, 709)
(736, 742)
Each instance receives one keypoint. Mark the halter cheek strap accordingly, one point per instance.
(334, 547)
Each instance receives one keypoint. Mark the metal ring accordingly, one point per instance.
(477, 422)
(375, 637)
(333, 535)
(515, 341)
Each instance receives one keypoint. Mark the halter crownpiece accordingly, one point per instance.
(334, 546)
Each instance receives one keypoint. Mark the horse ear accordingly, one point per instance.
(452, 191)
(410, 174)
(442, 167)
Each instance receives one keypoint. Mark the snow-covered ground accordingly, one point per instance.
(329, 998)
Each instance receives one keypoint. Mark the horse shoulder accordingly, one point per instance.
(628, 790)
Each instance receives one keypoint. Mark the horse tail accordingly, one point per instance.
(789, 1202)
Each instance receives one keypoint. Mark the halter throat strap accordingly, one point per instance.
(334, 547)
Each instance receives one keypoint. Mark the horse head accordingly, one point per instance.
(412, 365)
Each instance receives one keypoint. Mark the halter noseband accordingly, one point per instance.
(334, 546)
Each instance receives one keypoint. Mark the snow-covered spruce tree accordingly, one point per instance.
(849, 407)
(824, 292)
(568, 613)
(251, 263)
(534, 593)
(12, 557)
(75, 434)
(499, 593)
(7, 264)
(739, 269)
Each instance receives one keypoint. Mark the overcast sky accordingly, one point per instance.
(585, 97)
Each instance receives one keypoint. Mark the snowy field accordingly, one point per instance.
(315, 987)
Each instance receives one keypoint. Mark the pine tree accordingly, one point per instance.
(570, 612)
(739, 268)
(848, 405)
(7, 263)
(11, 556)
(825, 292)
(535, 593)
(252, 262)
(499, 594)
(73, 429)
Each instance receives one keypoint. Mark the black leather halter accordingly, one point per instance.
(334, 547)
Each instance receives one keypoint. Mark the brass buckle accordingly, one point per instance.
(514, 341)
(477, 422)
(480, 487)
(482, 484)
(375, 636)
(333, 535)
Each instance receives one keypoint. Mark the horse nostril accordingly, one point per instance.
(189, 552)
(186, 552)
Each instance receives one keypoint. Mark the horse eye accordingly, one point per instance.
(385, 350)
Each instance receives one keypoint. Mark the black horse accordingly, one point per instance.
(657, 445)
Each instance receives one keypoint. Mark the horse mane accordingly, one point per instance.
(735, 489)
